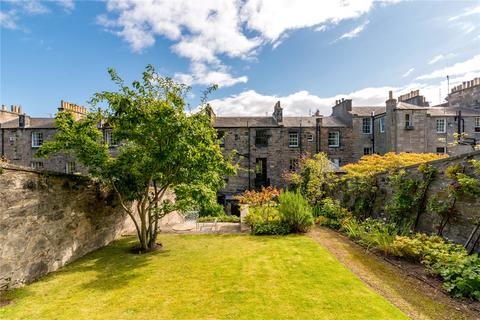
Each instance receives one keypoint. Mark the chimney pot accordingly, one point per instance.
(390, 95)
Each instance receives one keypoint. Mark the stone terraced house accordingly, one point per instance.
(268, 146)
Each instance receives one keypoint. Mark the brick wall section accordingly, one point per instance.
(49, 220)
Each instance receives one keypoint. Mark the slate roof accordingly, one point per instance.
(333, 122)
(365, 111)
(236, 122)
(408, 106)
(452, 111)
(35, 123)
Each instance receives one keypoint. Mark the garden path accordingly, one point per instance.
(406, 290)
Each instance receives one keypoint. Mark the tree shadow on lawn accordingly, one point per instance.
(115, 265)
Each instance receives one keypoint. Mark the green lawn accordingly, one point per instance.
(203, 277)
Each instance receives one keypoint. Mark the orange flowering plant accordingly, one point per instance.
(265, 197)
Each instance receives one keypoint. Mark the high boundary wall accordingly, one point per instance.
(48, 220)
(460, 226)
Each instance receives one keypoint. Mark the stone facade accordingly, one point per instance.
(22, 135)
(267, 147)
(47, 221)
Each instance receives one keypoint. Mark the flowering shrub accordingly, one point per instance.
(265, 197)
(372, 164)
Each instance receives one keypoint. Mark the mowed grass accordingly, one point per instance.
(203, 277)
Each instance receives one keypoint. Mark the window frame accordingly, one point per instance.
(310, 137)
(36, 142)
(337, 139)
(70, 169)
(381, 125)
(40, 163)
(409, 122)
(367, 148)
(476, 124)
(444, 125)
(107, 136)
(292, 144)
(261, 137)
(444, 150)
(369, 125)
(293, 164)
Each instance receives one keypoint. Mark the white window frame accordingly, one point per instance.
(37, 139)
(382, 124)
(310, 137)
(477, 124)
(408, 120)
(70, 167)
(336, 139)
(444, 126)
(108, 138)
(293, 139)
(37, 165)
(366, 125)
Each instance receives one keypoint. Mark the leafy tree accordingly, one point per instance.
(162, 148)
(315, 177)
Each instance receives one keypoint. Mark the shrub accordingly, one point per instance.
(265, 221)
(220, 218)
(265, 197)
(371, 233)
(460, 272)
(214, 210)
(431, 251)
(462, 277)
(332, 212)
(295, 211)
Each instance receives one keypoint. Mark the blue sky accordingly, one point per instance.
(304, 53)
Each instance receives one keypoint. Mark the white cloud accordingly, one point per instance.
(201, 74)
(68, 5)
(8, 19)
(303, 103)
(355, 32)
(207, 31)
(441, 57)
(406, 74)
(466, 13)
(458, 69)
(13, 10)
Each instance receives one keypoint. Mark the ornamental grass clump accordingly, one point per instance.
(295, 211)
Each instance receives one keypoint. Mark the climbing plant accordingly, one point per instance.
(408, 201)
(463, 183)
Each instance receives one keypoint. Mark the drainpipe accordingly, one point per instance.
(249, 160)
(3, 142)
(317, 135)
(300, 137)
(373, 132)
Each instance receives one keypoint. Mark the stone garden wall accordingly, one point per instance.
(48, 220)
(461, 226)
